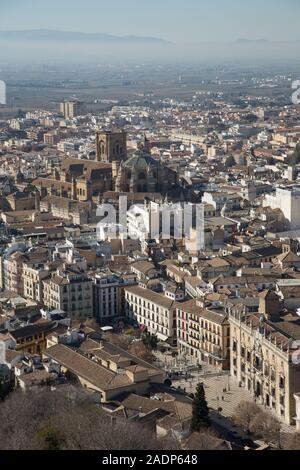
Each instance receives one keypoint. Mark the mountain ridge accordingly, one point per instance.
(72, 36)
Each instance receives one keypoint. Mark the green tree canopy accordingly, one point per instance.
(200, 417)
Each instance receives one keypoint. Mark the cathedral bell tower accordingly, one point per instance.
(111, 146)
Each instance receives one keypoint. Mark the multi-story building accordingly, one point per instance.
(287, 199)
(203, 334)
(36, 134)
(219, 199)
(262, 352)
(107, 298)
(33, 276)
(13, 261)
(71, 292)
(51, 138)
(13, 272)
(31, 338)
(71, 109)
(153, 311)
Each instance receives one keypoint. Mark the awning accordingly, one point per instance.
(162, 337)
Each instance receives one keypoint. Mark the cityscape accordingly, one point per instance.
(149, 237)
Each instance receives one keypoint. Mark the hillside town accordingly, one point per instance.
(115, 301)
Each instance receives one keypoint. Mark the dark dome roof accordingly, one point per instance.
(140, 161)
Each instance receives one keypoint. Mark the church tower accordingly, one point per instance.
(111, 146)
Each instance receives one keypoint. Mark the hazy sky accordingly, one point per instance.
(175, 20)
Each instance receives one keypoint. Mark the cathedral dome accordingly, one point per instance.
(141, 173)
(140, 161)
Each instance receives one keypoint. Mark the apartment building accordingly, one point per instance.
(203, 334)
(71, 109)
(153, 311)
(71, 292)
(107, 298)
(12, 267)
(33, 276)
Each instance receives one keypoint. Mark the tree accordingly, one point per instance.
(168, 382)
(5, 389)
(244, 414)
(261, 424)
(292, 442)
(139, 349)
(92, 323)
(265, 426)
(207, 440)
(120, 341)
(50, 437)
(200, 416)
(66, 419)
(151, 341)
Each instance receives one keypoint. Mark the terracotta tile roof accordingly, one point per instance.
(151, 296)
(191, 307)
(102, 378)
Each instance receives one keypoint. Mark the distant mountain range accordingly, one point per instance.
(50, 35)
(251, 41)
